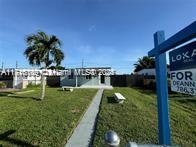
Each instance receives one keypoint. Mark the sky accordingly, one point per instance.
(100, 33)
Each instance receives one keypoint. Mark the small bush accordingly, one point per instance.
(31, 85)
(2, 85)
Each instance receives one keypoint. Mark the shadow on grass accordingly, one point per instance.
(23, 97)
(144, 91)
(60, 89)
(65, 90)
(5, 93)
(180, 96)
(186, 100)
(172, 95)
(5, 137)
(111, 99)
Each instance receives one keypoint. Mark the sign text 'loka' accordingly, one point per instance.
(183, 69)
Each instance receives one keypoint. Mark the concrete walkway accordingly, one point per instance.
(83, 133)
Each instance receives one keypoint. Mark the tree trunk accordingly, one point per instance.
(43, 87)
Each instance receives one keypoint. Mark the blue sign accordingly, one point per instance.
(183, 57)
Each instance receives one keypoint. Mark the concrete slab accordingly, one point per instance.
(83, 133)
(8, 89)
(97, 86)
(89, 87)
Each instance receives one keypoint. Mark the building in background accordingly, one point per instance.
(19, 78)
(87, 80)
(149, 72)
(77, 77)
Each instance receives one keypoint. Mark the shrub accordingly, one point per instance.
(31, 85)
(2, 85)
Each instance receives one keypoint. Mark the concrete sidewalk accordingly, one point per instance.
(83, 133)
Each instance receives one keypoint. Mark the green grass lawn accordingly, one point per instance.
(26, 121)
(136, 119)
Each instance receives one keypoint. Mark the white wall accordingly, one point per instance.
(149, 72)
(82, 81)
(18, 78)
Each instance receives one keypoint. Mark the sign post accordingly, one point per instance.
(162, 91)
(161, 47)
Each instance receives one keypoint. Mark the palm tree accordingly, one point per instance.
(43, 50)
(144, 62)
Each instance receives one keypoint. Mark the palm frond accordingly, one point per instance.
(43, 49)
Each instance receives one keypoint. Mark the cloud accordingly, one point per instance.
(133, 55)
(87, 49)
(92, 28)
(95, 56)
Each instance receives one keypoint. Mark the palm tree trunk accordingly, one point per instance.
(43, 87)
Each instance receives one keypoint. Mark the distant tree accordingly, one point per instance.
(43, 50)
(144, 62)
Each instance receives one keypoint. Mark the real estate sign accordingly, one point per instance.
(183, 69)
